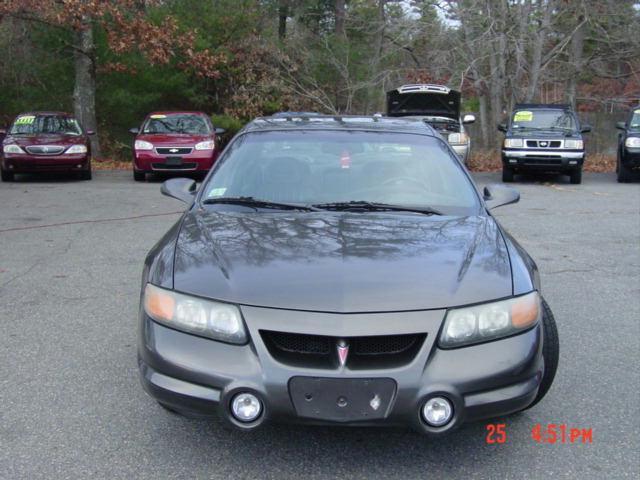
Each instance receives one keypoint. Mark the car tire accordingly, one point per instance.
(624, 174)
(550, 352)
(139, 176)
(86, 175)
(575, 176)
(6, 176)
(507, 174)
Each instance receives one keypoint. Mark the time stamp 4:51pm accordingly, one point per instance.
(551, 433)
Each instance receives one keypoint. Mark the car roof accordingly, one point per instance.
(46, 113)
(177, 112)
(548, 106)
(340, 122)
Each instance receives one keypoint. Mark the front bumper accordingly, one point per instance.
(196, 161)
(631, 157)
(25, 163)
(200, 376)
(552, 160)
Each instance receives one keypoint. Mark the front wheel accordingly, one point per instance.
(139, 176)
(6, 176)
(507, 174)
(624, 173)
(550, 352)
(575, 176)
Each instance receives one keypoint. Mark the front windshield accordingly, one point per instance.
(45, 125)
(634, 124)
(543, 120)
(319, 167)
(176, 123)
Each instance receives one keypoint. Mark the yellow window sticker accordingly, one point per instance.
(217, 192)
(523, 116)
(158, 116)
(26, 120)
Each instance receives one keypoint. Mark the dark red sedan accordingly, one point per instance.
(180, 142)
(46, 142)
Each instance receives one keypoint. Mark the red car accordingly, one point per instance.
(46, 142)
(177, 142)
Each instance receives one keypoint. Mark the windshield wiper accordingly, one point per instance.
(376, 207)
(258, 203)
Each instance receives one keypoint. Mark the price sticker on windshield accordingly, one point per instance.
(523, 116)
(158, 116)
(25, 120)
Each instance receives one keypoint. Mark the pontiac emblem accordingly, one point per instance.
(173, 150)
(343, 351)
(45, 149)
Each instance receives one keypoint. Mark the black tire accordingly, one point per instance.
(507, 174)
(625, 175)
(575, 176)
(550, 352)
(6, 176)
(86, 175)
(139, 176)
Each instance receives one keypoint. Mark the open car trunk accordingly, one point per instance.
(427, 100)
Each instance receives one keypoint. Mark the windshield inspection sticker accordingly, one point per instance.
(217, 192)
(26, 120)
(523, 116)
(158, 116)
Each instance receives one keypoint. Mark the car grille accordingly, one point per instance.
(173, 150)
(544, 143)
(182, 166)
(376, 351)
(45, 149)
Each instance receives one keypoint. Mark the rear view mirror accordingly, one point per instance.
(496, 195)
(621, 126)
(502, 127)
(134, 131)
(585, 129)
(468, 118)
(219, 131)
(183, 189)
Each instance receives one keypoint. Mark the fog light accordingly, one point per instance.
(79, 165)
(437, 411)
(246, 407)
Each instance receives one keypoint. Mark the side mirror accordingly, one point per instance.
(496, 195)
(468, 118)
(183, 189)
(619, 126)
(502, 127)
(90, 132)
(220, 131)
(134, 131)
(3, 131)
(585, 129)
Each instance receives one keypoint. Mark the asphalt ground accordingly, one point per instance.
(71, 405)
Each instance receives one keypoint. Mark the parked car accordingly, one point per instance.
(174, 142)
(343, 271)
(437, 105)
(628, 162)
(46, 142)
(543, 138)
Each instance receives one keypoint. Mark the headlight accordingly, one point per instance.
(219, 321)
(458, 138)
(12, 148)
(513, 143)
(142, 145)
(208, 145)
(77, 149)
(464, 326)
(575, 144)
(629, 142)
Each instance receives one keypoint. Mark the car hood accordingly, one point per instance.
(174, 139)
(423, 103)
(26, 140)
(341, 262)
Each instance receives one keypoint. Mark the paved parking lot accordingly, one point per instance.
(71, 405)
